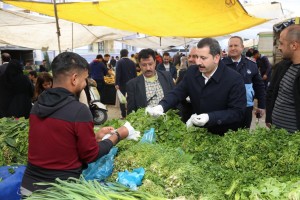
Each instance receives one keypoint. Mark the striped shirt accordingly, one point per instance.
(154, 92)
(284, 112)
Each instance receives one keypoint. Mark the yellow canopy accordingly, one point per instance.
(183, 18)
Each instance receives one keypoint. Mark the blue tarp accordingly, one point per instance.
(10, 183)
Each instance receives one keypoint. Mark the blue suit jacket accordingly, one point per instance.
(253, 82)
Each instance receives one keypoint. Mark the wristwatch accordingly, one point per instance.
(115, 132)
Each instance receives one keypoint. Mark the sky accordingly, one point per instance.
(289, 9)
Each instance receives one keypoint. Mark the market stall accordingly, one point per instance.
(180, 162)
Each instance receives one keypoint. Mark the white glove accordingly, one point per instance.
(189, 123)
(132, 134)
(155, 111)
(200, 120)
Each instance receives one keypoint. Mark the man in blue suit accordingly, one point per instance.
(252, 79)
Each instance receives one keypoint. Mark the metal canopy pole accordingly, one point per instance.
(57, 26)
(72, 37)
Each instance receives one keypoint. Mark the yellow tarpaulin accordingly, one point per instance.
(183, 18)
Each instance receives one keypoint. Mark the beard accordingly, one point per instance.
(77, 94)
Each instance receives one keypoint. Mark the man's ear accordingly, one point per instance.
(217, 58)
(74, 79)
(295, 45)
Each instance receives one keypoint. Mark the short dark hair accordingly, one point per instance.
(255, 52)
(33, 73)
(66, 62)
(106, 55)
(146, 53)
(293, 33)
(238, 37)
(124, 53)
(99, 56)
(213, 44)
(166, 54)
(5, 57)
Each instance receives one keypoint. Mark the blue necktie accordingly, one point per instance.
(235, 64)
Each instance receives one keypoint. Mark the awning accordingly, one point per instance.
(159, 42)
(180, 18)
(38, 32)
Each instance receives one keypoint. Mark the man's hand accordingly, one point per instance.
(259, 112)
(123, 132)
(102, 132)
(117, 87)
(200, 120)
(155, 111)
(265, 77)
(189, 122)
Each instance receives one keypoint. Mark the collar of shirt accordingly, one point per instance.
(238, 61)
(151, 79)
(207, 78)
(167, 65)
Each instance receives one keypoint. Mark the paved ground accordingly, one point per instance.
(114, 112)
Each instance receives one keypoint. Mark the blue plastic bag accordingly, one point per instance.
(102, 168)
(10, 184)
(149, 136)
(131, 179)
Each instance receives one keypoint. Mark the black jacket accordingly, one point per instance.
(125, 70)
(16, 92)
(173, 70)
(223, 97)
(136, 91)
(279, 71)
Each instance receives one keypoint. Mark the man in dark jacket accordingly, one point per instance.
(62, 140)
(217, 93)
(283, 94)
(5, 57)
(166, 65)
(149, 88)
(97, 72)
(125, 71)
(252, 79)
(264, 67)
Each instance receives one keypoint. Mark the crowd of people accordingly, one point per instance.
(162, 85)
(21, 85)
(211, 88)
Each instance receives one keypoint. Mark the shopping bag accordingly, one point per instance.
(149, 136)
(131, 179)
(121, 97)
(101, 168)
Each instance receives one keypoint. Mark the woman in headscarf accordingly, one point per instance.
(18, 91)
